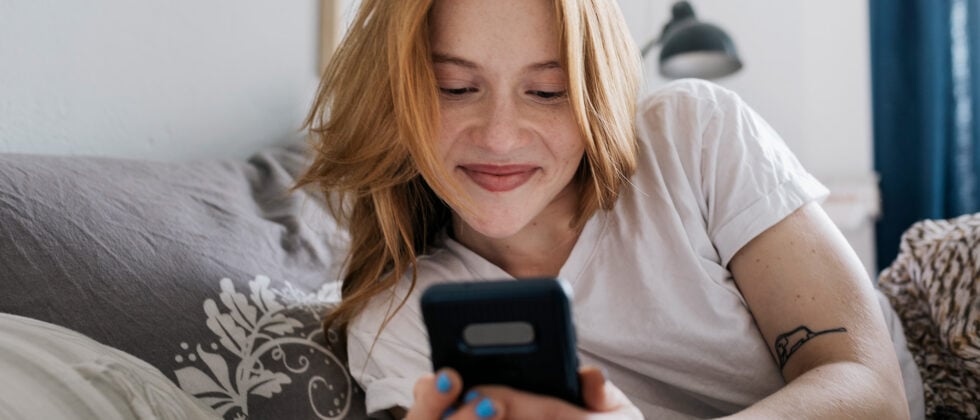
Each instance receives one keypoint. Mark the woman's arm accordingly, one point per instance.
(811, 298)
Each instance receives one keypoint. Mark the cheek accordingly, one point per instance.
(574, 156)
(571, 146)
(448, 133)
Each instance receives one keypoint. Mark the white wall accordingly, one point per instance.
(807, 71)
(207, 78)
(174, 80)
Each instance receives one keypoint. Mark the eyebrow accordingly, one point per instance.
(438, 58)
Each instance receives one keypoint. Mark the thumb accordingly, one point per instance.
(598, 393)
(434, 394)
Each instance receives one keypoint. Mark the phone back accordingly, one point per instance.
(517, 333)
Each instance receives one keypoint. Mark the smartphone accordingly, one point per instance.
(517, 333)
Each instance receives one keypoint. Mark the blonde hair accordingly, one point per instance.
(377, 111)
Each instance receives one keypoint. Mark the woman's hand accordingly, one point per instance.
(435, 394)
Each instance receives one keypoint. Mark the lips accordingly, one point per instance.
(499, 178)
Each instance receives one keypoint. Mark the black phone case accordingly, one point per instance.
(548, 365)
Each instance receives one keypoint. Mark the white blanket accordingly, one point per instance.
(49, 372)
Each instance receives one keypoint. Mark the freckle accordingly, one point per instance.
(797, 296)
(812, 298)
(813, 251)
(758, 259)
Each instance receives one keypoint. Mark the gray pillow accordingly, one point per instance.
(209, 271)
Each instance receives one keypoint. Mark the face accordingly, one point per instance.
(508, 136)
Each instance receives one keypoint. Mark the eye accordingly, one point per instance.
(457, 92)
(548, 96)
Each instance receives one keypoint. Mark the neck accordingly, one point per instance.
(540, 249)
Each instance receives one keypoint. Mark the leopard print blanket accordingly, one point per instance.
(934, 285)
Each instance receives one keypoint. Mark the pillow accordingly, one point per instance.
(208, 270)
(934, 285)
(50, 372)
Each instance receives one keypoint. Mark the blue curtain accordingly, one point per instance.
(925, 68)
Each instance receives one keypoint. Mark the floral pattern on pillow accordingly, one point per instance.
(269, 357)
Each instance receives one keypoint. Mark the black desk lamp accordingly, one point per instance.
(691, 48)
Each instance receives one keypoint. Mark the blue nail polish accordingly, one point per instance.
(449, 411)
(485, 410)
(443, 383)
(470, 396)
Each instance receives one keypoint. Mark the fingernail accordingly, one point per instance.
(605, 374)
(485, 410)
(449, 411)
(443, 383)
(470, 396)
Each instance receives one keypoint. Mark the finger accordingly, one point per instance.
(598, 393)
(513, 404)
(478, 406)
(434, 394)
(593, 382)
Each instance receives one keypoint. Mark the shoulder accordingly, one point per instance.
(689, 94)
(700, 116)
(688, 114)
(671, 121)
(386, 340)
(387, 343)
(440, 265)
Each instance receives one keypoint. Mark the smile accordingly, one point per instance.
(499, 178)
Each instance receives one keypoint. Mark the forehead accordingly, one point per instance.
(484, 30)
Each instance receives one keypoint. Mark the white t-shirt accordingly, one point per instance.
(654, 302)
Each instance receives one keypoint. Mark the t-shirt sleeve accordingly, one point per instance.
(749, 177)
(387, 365)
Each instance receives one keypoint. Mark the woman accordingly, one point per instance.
(468, 140)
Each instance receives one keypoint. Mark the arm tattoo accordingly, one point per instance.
(788, 343)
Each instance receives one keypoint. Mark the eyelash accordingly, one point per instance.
(457, 91)
(547, 96)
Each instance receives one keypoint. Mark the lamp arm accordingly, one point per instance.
(649, 46)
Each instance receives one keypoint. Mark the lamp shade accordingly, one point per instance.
(691, 48)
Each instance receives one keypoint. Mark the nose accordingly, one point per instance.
(501, 130)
